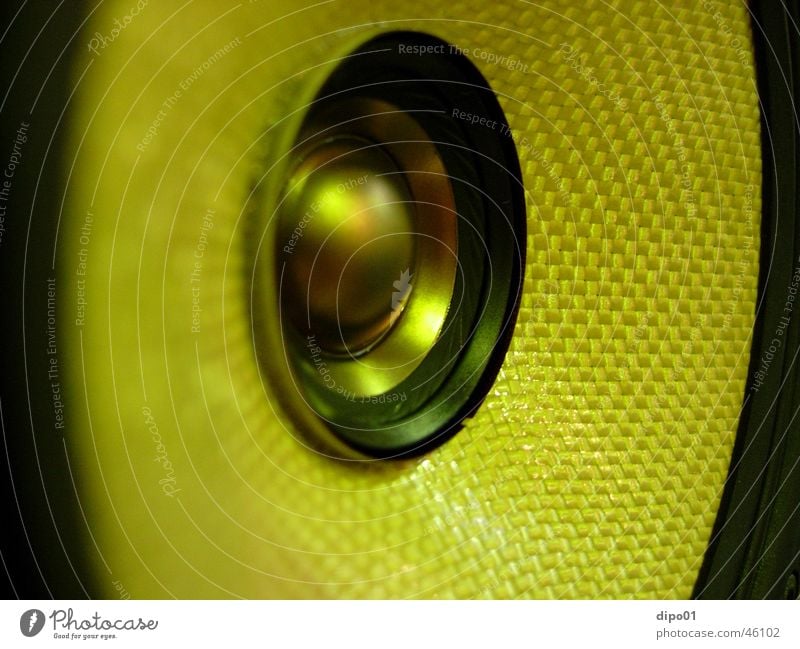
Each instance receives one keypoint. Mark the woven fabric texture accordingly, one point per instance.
(595, 466)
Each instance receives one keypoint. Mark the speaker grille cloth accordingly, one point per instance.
(595, 466)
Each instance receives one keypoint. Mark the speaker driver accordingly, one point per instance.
(400, 245)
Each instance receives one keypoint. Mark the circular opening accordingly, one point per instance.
(400, 246)
(370, 260)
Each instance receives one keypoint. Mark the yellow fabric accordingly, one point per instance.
(595, 465)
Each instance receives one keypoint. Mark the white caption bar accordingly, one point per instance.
(406, 625)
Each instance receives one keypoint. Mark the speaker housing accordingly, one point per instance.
(553, 488)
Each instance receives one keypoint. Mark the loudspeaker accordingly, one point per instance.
(392, 300)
